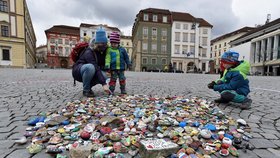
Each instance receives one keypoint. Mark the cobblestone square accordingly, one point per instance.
(27, 92)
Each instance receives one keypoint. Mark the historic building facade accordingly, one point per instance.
(17, 38)
(60, 41)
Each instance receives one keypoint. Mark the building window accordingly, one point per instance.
(184, 49)
(145, 46)
(192, 38)
(219, 53)
(60, 41)
(203, 52)
(6, 54)
(163, 61)
(215, 46)
(52, 50)
(163, 48)
(3, 6)
(177, 36)
(145, 31)
(154, 31)
(154, 18)
(146, 17)
(185, 27)
(52, 40)
(205, 31)
(92, 34)
(74, 42)
(210, 55)
(154, 61)
(67, 51)
(225, 44)
(185, 37)
(192, 50)
(144, 61)
(177, 49)
(4, 31)
(164, 32)
(154, 47)
(60, 50)
(178, 26)
(67, 41)
(164, 19)
(204, 41)
(220, 45)
(127, 43)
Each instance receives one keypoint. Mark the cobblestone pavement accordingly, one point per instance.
(26, 92)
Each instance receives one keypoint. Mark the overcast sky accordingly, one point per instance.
(224, 15)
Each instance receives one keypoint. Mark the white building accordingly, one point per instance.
(90, 30)
(220, 45)
(264, 44)
(190, 44)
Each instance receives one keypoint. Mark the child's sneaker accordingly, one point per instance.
(123, 91)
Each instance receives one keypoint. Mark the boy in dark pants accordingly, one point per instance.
(234, 85)
(116, 61)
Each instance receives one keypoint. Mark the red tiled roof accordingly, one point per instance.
(179, 16)
(203, 23)
(64, 29)
(244, 29)
(156, 10)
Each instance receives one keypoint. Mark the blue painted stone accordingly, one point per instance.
(195, 124)
(173, 156)
(34, 120)
(66, 122)
(215, 136)
(182, 124)
(228, 136)
(210, 127)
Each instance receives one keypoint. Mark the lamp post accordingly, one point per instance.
(194, 28)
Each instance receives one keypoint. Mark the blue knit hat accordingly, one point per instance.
(230, 56)
(101, 36)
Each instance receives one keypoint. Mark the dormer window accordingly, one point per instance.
(146, 17)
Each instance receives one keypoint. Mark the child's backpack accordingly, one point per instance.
(78, 50)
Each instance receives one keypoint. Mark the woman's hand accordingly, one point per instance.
(106, 89)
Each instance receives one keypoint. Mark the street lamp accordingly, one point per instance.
(193, 53)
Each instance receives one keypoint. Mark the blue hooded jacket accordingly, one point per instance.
(235, 79)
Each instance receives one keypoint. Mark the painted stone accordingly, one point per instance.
(114, 136)
(224, 152)
(205, 133)
(157, 147)
(242, 122)
(85, 135)
(34, 148)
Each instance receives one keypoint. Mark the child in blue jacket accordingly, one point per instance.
(234, 85)
(116, 61)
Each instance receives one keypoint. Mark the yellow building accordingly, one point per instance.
(17, 37)
(126, 42)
